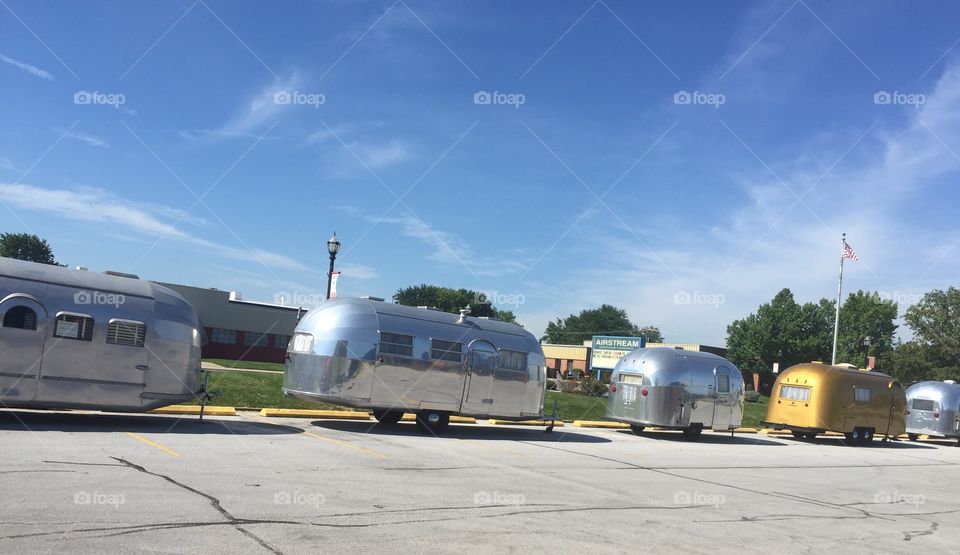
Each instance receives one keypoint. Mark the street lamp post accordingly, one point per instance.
(333, 247)
(866, 345)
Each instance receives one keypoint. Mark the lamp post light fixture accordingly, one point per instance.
(333, 247)
(866, 347)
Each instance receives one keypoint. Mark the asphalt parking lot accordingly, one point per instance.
(89, 482)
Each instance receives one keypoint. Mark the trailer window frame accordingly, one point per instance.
(795, 392)
(863, 397)
(84, 326)
(396, 344)
(442, 349)
(114, 328)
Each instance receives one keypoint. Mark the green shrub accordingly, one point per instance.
(590, 386)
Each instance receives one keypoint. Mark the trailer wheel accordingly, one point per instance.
(388, 416)
(810, 435)
(432, 422)
(913, 437)
(797, 434)
(692, 434)
(867, 436)
(636, 429)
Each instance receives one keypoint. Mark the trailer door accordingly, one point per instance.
(723, 399)
(483, 359)
(21, 344)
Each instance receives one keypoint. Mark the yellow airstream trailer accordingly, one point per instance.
(813, 398)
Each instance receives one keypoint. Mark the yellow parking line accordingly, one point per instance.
(347, 445)
(152, 444)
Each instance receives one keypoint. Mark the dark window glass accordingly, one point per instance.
(446, 350)
(396, 344)
(20, 317)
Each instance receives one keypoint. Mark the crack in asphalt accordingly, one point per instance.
(910, 534)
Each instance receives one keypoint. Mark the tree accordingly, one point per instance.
(25, 246)
(935, 321)
(865, 318)
(606, 320)
(450, 300)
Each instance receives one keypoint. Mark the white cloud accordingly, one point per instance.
(97, 205)
(358, 271)
(256, 115)
(82, 137)
(27, 68)
(5, 163)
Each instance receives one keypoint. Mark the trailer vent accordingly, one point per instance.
(126, 332)
(121, 274)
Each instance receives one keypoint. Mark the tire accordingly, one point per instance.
(810, 435)
(913, 437)
(636, 429)
(798, 434)
(692, 434)
(867, 436)
(388, 416)
(432, 422)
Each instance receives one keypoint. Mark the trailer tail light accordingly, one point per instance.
(613, 388)
(644, 392)
(936, 415)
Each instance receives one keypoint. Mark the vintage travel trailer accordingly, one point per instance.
(933, 410)
(393, 359)
(813, 398)
(79, 339)
(676, 389)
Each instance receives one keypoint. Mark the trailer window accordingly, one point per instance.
(924, 404)
(74, 326)
(126, 332)
(396, 344)
(723, 383)
(861, 394)
(446, 350)
(254, 339)
(20, 317)
(513, 360)
(794, 393)
(226, 337)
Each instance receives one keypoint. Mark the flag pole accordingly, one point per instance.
(836, 319)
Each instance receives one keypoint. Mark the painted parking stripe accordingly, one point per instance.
(152, 444)
(347, 445)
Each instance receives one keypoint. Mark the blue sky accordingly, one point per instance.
(682, 160)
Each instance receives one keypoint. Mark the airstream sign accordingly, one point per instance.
(608, 350)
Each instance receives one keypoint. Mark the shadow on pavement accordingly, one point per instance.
(463, 431)
(43, 421)
(707, 438)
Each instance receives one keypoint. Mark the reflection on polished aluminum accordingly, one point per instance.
(677, 389)
(79, 339)
(934, 409)
(392, 358)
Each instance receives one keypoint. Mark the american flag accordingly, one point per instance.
(848, 252)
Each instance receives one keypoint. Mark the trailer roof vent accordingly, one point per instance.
(369, 298)
(121, 274)
(949, 381)
(81, 268)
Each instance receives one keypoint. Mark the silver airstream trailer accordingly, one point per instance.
(934, 410)
(79, 339)
(676, 389)
(393, 359)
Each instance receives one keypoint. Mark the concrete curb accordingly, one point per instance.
(600, 424)
(495, 422)
(195, 410)
(302, 413)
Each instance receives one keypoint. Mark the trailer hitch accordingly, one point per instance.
(205, 394)
(552, 418)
